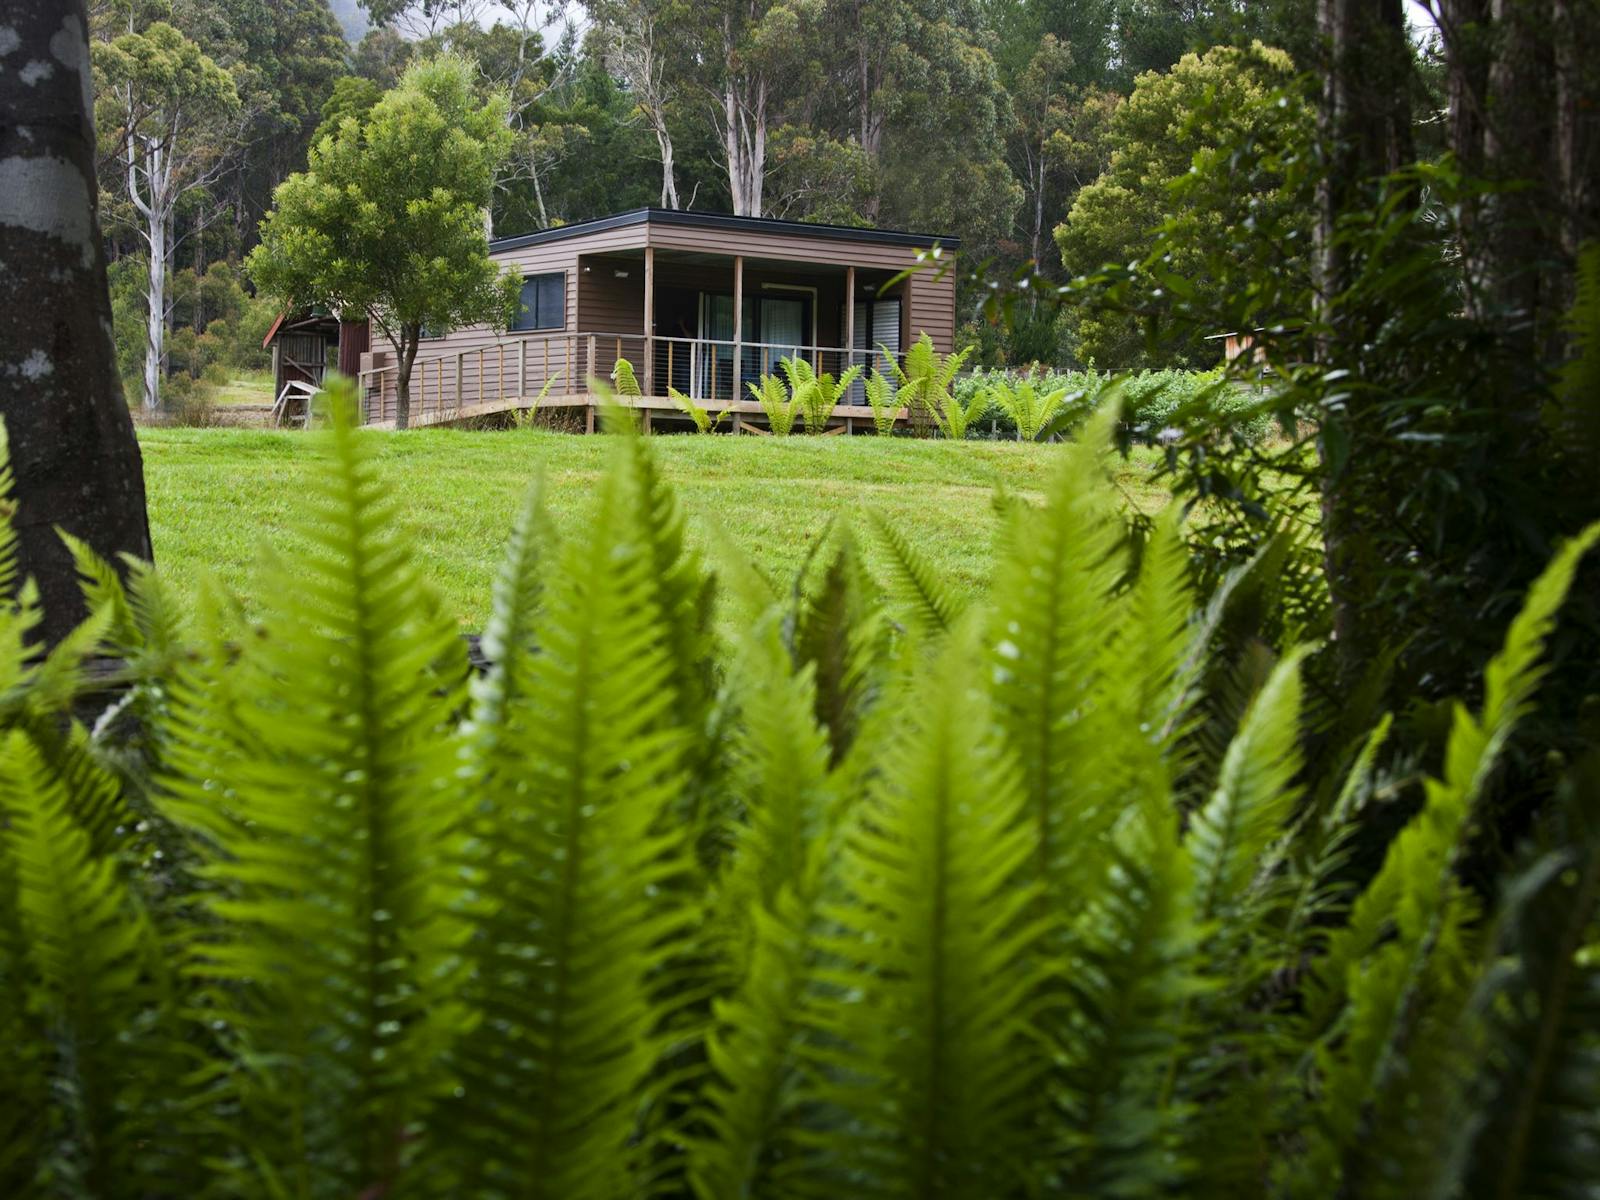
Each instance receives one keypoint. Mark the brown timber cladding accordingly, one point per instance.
(600, 303)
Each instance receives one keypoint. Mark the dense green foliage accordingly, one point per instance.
(1038, 894)
(387, 221)
(978, 120)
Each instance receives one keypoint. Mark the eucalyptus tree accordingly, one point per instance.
(170, 113)
(73, 454)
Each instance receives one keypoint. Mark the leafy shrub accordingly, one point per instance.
(1153, 401)
(826, 908)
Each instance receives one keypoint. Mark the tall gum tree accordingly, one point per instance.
(72, 446)
(170, 112)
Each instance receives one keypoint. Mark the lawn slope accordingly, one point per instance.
(216, 494)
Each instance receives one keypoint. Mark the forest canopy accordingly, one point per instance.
(1000, 124)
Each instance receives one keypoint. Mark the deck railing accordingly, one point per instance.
(497, 375)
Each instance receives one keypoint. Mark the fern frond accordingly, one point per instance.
(1157, 633)
(1229, 838)
(1531, 1127)
(839, 631)
(704, 420)
(925, 1040)
(513, 609)
(338, 957)
(1058, 681)
(930, 604)
(78, 984)
(626, 382)
(782, 410)
(1398, 975)
(580, 870)
(1135, 952)
(884, 398)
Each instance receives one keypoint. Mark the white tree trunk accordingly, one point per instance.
(156, 312)
(744, 105)
(669, 185)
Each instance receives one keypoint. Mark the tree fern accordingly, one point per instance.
(925, 1043)
(337, 962)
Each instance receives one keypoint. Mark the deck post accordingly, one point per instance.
(522, 368)
(461, 379)
(589, 374)
(738, 327)
(849, 318)
(649, 323)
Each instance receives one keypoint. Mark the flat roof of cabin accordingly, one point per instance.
(725, 221)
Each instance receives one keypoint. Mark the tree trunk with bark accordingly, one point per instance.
(410, 339)
(1365, 126)
(73, 449)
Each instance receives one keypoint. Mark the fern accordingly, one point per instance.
(1399, 969)
(925, 382)
(839, 632)
(781, 407)
(1135, 954)
(1231, 838)
(337, 961)
(79, 987)
(931, 604)
(704, 420)
(627, 384)
(1030, 410)
(1530, 1127)
(764, 910)
(1052, 640)
(886, 402)
(553, 1072)
(925, 1043)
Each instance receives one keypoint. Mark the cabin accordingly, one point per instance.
(660, 287)
(305, 346)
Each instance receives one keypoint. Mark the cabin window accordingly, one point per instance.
(544, 302)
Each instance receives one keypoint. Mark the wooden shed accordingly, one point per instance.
(304, 348)
(660, 287)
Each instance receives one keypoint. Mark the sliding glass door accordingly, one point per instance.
(772, 329)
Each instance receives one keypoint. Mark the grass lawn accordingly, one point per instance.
(216, 494)
(246, 387)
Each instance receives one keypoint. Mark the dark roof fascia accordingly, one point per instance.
(704, 220)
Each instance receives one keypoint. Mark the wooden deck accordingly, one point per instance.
(744, 416)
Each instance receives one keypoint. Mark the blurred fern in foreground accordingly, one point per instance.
(1026, 898)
